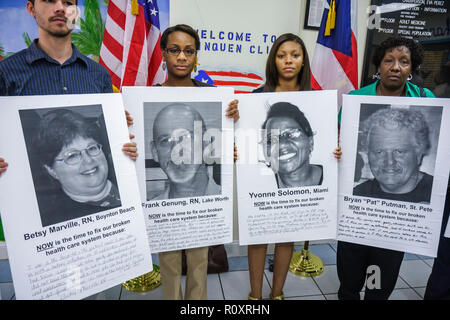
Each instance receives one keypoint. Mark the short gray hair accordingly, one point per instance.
(394, 118)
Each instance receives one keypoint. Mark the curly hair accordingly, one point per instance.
(399, 119)
(58, 128)
(416, 49)
(286, 109)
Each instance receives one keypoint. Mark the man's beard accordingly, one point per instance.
(60, 34)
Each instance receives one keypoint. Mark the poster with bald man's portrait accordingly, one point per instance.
(395, 169)
(287, 173)
(186, 166)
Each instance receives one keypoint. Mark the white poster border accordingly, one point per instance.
(134, 100)
(26, 264)
(349, 136)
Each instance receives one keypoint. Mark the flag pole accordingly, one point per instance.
(151, 280)
(305, 264)
(144, 283)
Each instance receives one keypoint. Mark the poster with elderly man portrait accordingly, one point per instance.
(186, 168)
(287, 173)
(394, 172)
(70, 203)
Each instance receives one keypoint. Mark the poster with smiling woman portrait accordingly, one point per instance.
(286, 173)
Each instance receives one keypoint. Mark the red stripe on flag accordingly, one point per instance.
(117, 14)
(348, 63)
(234, 74)
(235, 83)
(113, 45)
(238, 91)
(155, 62)
(314, 84)
(114, 78)
(135, 52)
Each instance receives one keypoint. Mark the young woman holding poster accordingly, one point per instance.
(179, 46)
(395, 60)
(287, 69)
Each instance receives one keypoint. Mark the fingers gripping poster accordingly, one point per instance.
(394, 172)
(69, 201)
(286, 173)
(186, 165)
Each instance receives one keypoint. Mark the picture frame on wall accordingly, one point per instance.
(313, 14)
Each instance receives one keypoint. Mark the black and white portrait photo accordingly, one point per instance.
(396, 154)
(70, 161)
(286, 172)
(183, 149)
(288, 142)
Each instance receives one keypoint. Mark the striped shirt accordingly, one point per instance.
(32, 72)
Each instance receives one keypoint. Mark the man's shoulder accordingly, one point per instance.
(17, 59)
(93, 65)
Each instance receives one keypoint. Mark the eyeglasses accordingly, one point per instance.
(289, 134)
(167, 140)
(176, 51)
(74, 156)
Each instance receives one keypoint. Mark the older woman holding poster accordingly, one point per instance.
(287, 69)
(395, 60)
(179, 46)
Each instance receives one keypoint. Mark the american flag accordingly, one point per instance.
(241, 82)
(130, 49)
(335, 61)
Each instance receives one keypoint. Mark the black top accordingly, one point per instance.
(318, 184)
(57, 207)
(258, 90)
(196, 84)
(421, 193)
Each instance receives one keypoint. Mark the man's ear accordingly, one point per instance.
(30, 8)
(154, 151)
(420, 156)
(51, 172)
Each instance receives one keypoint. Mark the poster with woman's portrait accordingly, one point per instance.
(286, 173)
(186, 169)
(70, 160)
(70, 206)
(394, 173)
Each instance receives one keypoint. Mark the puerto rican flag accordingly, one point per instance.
(335, 61)
(131, 43)
(241, 82)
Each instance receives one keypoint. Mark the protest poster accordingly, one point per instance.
(70, 203)
(394, 172)
(186, 175)
(286, 173)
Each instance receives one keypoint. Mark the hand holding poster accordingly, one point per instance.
(69, 201)
(286, 172)
(186, 176)
(394, 172)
